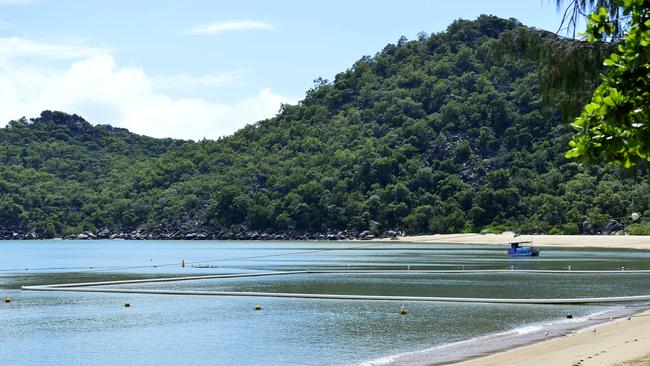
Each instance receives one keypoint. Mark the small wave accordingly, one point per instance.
(513, 335)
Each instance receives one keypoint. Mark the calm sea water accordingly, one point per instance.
(39, 328)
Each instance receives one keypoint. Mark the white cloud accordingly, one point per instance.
(229, 26)
(13, 47)
(94, 87)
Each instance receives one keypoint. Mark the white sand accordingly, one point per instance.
(620, 342)
(568, 241)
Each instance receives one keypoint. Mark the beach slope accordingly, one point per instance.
(567, 241)
(619, 342)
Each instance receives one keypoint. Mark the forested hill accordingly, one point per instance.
(433, 135)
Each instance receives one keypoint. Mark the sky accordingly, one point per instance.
(203, 69)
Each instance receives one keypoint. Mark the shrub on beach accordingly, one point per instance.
(639, 229)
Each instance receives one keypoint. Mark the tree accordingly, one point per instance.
(615, 125)
(577, 9)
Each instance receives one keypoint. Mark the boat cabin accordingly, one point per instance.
(519, 249)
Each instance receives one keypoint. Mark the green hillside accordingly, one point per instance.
(434, 135)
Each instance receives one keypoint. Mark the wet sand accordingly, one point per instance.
(619, 342)
(567, 241)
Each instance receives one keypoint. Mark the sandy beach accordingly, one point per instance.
(568, 241)
(619, 342)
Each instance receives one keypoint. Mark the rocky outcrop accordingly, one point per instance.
(18, 235)
(173, 232)
(587, 228)
(177, 232)
(613, 227)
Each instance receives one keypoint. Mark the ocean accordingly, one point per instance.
(71, 328)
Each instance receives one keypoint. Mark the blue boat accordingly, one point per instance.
(517, 250)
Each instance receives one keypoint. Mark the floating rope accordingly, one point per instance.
(94, 287)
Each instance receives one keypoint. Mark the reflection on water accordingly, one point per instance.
(76, 328)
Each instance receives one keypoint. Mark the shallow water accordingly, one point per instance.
(94, 328)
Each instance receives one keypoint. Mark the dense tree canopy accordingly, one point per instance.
(434, 135)
(615, 125)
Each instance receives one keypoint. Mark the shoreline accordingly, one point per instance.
(623, 341)
(639, 242)
(475, 350)
(561, 241)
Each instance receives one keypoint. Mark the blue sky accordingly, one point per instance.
(193, 69)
